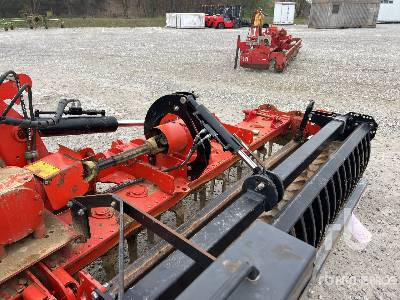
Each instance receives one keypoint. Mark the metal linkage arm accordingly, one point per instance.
(81, 207)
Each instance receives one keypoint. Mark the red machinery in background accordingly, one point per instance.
(273, 45)
(56, 217)
(223, 16)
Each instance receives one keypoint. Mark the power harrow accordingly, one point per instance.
(265, 46)
(252, 202)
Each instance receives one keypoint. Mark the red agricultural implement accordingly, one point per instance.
(223, 16)
(272, 46)
(252, 208)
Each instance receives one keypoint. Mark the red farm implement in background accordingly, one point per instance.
(273, 45)
(61, 211)
(223, 16)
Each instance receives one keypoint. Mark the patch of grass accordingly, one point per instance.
(114, 22)
(97, 22)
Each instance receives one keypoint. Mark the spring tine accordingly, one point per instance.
(131, 241)
(338, 188)
(179, 211)
(203, 197)
(228, 174)
(109, 261)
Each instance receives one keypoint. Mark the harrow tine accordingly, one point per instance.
(270, 145)
(150, 234)
(179, 211)
(203, 196)
(212, 189)
(109, 260)
(131, 241)
(239, 170)
(222, 177)
(195, 196)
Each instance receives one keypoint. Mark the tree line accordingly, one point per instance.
(117, 8)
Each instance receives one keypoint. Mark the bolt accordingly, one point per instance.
(94, 295)
(81, 212)
(113, 204)
(106, 285)
(260, 186)
(46, 182)
(183, 100)
(70, 204)
(176, 108)
(189, 168)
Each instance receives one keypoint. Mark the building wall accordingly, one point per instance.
(343, 13)
(389, 11)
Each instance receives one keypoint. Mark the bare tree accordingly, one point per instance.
(125, 7)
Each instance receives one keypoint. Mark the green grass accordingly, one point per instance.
(101, 22)
(114, 22)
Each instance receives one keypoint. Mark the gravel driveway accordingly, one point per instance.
(124, 70)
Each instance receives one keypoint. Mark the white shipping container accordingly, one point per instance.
(185, 20)
(284, 13)
(389, 11)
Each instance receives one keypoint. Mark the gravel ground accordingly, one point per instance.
(124, 70)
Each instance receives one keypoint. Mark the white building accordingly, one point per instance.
(389, 11)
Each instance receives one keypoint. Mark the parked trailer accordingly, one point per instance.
(389, 11)
(284, 13)
(185, 20)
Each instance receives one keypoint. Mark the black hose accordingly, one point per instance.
(6, 74)
(196, 143)
(39, 123)
(17, 96)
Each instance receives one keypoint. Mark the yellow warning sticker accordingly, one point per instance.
(43, 169)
